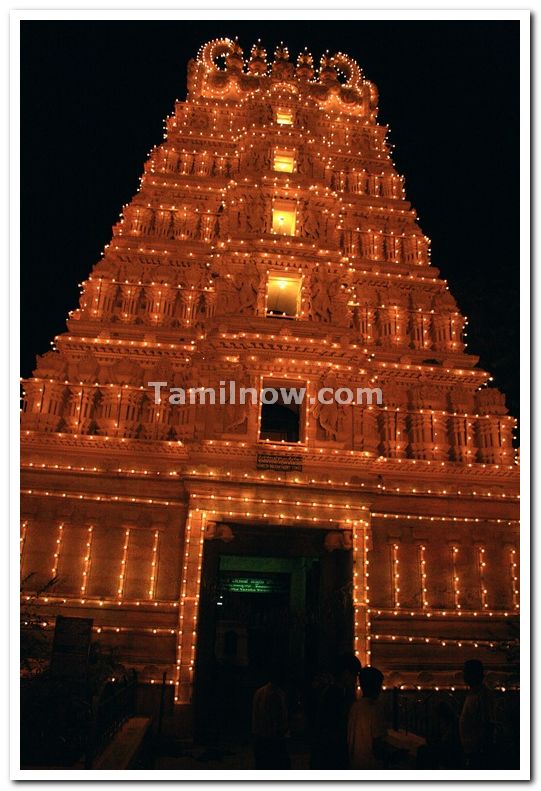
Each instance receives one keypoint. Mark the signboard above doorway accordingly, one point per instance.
(282, 462)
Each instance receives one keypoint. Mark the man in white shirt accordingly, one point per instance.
(366, 725)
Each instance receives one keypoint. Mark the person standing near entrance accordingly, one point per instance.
(329, 749)
(366, 725)
(270, 724)
(476, 722)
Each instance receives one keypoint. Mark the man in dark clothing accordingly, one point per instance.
(329, 749)
(442, 751)
(476, 722)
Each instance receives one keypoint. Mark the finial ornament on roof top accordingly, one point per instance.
(305, 63)
(220, 47)
(305, 58)
(258, 59)
(327, 73)
(349, 68)
(282, 69)
(221, 71)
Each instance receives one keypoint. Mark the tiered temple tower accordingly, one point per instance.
(271, 243)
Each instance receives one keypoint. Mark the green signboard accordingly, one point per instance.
(250, 583)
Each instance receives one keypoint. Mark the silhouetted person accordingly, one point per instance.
(329, 749)
(476, 722)
(270, 723)
(366, 725)
(444, 750)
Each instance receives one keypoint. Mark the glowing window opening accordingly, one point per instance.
(283, 296)
(283, 218)
(284, 117)
(284, 160)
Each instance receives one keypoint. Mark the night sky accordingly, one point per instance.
(94, 95)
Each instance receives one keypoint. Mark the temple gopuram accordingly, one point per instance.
(271, 243)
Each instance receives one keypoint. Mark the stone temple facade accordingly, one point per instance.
(271, 243)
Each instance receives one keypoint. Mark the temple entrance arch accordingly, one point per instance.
(266, 520)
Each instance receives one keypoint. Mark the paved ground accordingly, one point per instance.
(225, 756)
(239, 755)
(125, 745)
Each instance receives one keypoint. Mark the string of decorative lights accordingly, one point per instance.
(423, 576)
(438, 613)
(114, 440)
(154, 565)
(87, 559)
(123, 564)
(352, 264)
(395, 575)
(280, 501)
(464, 519)
(159, 501)
(455, 577)
(448, 687)
(481, 561)
(58, 546)
(402, 460)
(380, 637)
(103, 601)
(361, 591)
(189, 604)
(99, 497)
(443, 642)
(370, 486)
(124, 342)
(24, 530)
(514, 577)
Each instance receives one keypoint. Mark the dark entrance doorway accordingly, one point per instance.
(270, 595)
(280, 422)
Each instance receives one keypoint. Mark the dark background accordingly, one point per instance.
(94, 96)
